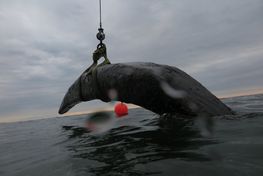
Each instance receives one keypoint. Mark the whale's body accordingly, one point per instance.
(158, 88)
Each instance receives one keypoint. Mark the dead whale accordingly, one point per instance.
(158, 88)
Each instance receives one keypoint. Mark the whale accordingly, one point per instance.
(162, 89)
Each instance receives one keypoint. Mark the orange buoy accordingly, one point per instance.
(121, 109)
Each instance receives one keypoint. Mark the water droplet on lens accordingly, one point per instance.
(170, 91)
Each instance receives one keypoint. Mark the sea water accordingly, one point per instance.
(141, 143)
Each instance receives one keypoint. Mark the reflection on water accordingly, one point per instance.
(122, 149)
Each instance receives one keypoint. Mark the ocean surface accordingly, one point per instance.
(138, 144)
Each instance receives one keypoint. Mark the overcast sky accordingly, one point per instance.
(46, 44)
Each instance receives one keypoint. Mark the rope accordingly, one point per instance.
(100, 13)
(100, 34)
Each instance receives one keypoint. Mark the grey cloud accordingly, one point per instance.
(45, 45)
